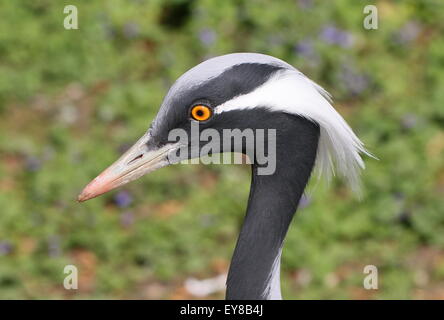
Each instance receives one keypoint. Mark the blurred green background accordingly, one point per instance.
(71, 101)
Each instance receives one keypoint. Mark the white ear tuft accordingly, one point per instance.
(339, 147)
(290, 91)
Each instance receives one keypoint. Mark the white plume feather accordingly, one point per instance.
(290, 91)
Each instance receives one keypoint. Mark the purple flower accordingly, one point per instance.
(409, 121)
(33, 163)
(131, 30)
(5, 247)
(304, 201)
(332, 35)
(305, 4)
(127, 218)
(123, 199)
(54, 249)
(207, 37)
(207, 220)
(355, 82)
(108, 30)
(399, 196)
(408, 33)
(305, 48)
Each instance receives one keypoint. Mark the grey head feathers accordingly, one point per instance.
(241, 81)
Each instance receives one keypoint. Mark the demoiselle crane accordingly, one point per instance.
(249, 91)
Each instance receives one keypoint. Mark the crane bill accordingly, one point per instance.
(136, 162)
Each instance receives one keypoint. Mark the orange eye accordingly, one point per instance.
(201, 112)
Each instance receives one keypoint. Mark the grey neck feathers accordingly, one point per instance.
(255, 267)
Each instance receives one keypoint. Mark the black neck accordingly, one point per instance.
(273, 200)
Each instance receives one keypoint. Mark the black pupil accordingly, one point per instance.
(200, 113)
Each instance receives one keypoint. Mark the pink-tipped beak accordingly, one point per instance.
(100, 185)
(136, 162)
